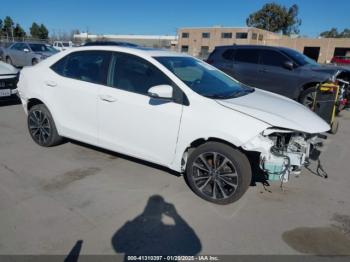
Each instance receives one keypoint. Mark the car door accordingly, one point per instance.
(14, 53)
(274, 76)
(245, 66)
(130, 121)
(72, 89)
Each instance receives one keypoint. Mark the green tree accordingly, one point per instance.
(276, 18)
(18, 31)
(7, 27)
(44, 33)
(333, 33)
(35, 30)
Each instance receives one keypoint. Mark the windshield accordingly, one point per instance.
(203, 78)
(39, 48)
(299, 58)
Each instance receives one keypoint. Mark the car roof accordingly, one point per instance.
(137, 50)
(253, 47)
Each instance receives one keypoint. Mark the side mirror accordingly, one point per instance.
(26, 50)
(288, 65)
(161, 92)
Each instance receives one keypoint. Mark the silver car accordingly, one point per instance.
(26, 54)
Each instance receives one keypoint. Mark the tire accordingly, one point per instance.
(41, 126)
(334, 127)
(307, 97)
(9, 60)
(34, 61)
(223, 182)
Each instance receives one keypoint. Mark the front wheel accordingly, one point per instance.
(307, 97)
(9, 60)
(41, 126)
(218, 173)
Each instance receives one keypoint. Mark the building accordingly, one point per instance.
(156, 41)
(200, 41)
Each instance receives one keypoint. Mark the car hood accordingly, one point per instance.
(6, 69)
(278, 111)
(328, 69)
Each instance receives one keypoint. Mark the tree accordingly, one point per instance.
(7, 27)
(18, 31)
(276, 18)
(44, 33)
(35, 30)
(333, 33)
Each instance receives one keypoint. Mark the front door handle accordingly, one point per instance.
(108, 98)
(51, 83)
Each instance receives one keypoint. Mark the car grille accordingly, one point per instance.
(9, 83)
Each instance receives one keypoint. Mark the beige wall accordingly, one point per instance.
(195, 40)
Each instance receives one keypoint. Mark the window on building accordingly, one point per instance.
(241, 35)
(272, 58)
(261, 37)
(184, 48)
(205, 35)
(185, 35)
(248, 55)
(254, 36)
(226, 35)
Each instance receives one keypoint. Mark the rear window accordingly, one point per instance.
(248, 55)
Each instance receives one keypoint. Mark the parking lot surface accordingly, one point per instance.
(53, 199)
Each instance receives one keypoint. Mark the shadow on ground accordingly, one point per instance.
(159, 230)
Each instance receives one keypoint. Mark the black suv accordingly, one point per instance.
(276, 69)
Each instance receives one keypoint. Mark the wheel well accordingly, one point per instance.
(32, 102)
(308, 85)
(199, 142)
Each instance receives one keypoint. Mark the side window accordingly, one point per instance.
(248, 55)
(90, 66)
(228, 54)
(272, 58)
(135, 74)
(16, 46)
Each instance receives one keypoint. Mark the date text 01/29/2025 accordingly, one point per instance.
(173, 258)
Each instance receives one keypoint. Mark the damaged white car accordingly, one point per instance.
(169, 109)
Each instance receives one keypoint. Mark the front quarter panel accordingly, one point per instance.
(208, 119)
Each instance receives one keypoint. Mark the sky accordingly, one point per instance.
(164, 17)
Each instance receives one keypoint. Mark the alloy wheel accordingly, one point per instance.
(39, 126)
(214, 175)
(309, 100)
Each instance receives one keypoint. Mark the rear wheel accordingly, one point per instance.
(218, 173)
(34, 61)
(42, 127)
(9, 60)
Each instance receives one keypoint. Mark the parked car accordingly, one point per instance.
(279, 70)
(341, 60)
(8, 82)
(106, 43)
(170, 109)
(62, 45)
(27, 53)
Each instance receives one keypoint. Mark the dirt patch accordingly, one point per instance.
(318, 240)
(69, 177)
(343, 223)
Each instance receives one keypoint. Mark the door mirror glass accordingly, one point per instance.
(288, 65)
(26, 50)
(161, 92)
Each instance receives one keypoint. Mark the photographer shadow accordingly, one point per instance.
(159, 230)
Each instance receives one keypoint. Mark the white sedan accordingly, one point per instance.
(8, 81)
(170, 109)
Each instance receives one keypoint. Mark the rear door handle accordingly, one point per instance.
(51, 83)
(108, 98)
